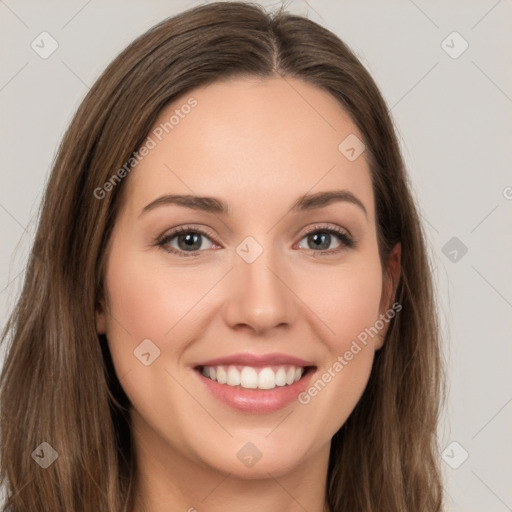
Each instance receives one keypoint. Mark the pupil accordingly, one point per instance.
(323, 245)
(191, 241)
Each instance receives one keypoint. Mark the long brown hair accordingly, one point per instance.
(58, 384)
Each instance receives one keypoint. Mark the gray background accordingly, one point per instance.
(453, 116)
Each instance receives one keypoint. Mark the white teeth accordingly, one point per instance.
(221, 375)
(249, 378)
(233, 376)
(281, 377)
(267, 379)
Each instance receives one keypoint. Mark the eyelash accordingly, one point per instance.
(347, 242)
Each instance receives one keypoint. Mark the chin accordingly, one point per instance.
(255, 457)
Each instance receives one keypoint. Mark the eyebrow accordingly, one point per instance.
(214, 205)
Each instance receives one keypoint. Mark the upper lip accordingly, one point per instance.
(247, 359)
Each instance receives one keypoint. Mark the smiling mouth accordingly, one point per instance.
(257, 378)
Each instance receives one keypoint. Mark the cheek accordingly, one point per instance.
(149, 300)
(349, 306)
(143, 304)
(358, 305)
(346, 299)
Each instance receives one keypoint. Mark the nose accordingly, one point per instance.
(259, 296)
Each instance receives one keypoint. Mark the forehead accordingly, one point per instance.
(251, 140)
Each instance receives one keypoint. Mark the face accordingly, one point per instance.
(241, 327)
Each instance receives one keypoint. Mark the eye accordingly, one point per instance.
(319, 239)
(184, 240)
(187, 241)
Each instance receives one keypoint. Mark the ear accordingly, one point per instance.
(101, 321)
(389, 286)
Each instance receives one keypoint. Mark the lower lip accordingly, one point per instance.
(257, 400)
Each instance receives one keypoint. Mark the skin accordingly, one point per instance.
(258, 145)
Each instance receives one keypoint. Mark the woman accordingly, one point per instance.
(228, 304)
